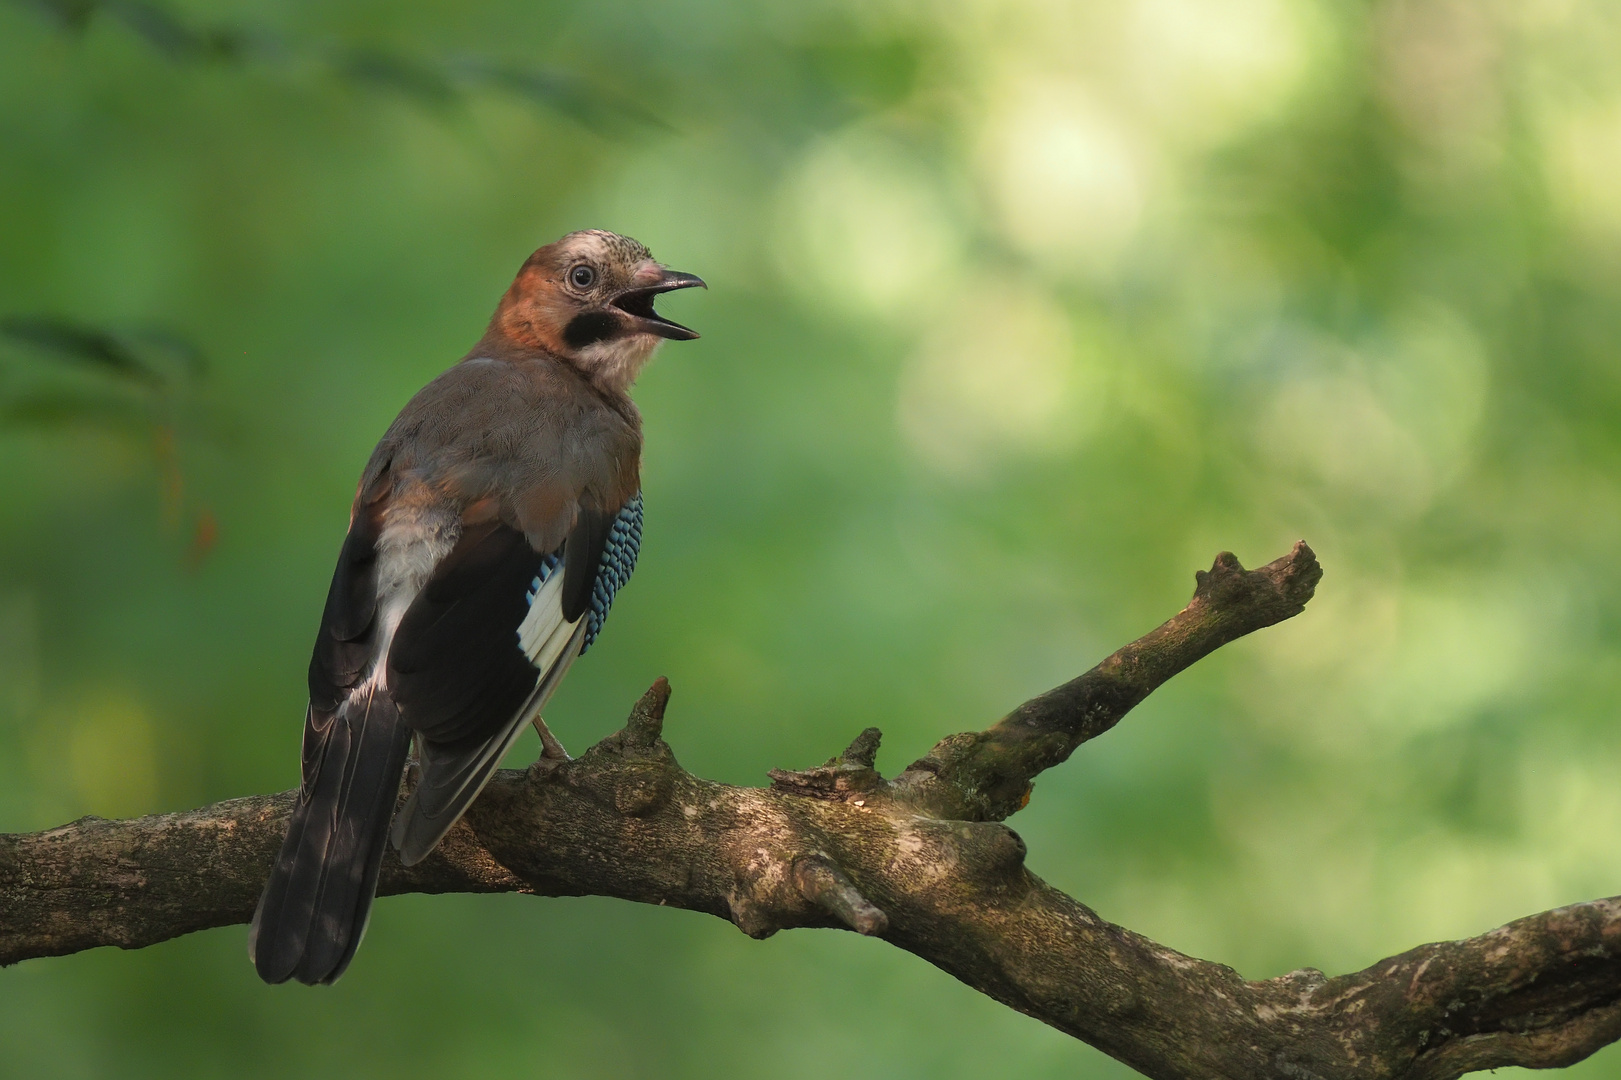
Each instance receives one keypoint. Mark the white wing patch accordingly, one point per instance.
(544, 634)
(413, 541)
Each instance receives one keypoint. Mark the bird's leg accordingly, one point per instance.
(550, 748)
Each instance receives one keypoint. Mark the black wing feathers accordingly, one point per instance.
(453, 774)
(463, 627)
(343, 645)
(455, 668)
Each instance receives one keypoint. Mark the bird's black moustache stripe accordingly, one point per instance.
(589, 327)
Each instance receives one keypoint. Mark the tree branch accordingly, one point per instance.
(986, 775)
(921, 861)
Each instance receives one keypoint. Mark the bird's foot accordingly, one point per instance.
(550, 748)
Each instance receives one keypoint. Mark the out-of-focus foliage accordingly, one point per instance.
(1020, 310)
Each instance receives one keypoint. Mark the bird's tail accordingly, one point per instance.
(314, 909)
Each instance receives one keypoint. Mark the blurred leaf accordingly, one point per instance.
(69, 14)
(59, 409)
(387, 71)
(185, 354)
(562, 92)
(428, 84)
(167, 34)
(67, 340)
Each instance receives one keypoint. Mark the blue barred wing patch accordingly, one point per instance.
(548, 567)
(618, 560)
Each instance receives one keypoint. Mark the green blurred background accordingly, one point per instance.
(1020, 311)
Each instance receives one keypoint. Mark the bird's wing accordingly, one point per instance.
(454, 665)
(345, 646)
(313, 911)
(479, 653)
(614, 566)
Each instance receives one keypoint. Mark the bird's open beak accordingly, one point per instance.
(638, 304)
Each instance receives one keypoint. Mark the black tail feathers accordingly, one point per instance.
(314, 908)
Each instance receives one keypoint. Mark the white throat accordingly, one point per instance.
(617, 362)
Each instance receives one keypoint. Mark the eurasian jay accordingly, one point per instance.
(491, 528)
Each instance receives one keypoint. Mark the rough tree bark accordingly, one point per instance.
(921, 860)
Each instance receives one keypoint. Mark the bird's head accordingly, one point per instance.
(588, 298)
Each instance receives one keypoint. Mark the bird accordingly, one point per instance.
(491, 528)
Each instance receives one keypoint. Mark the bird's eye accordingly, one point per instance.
(582, 276)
